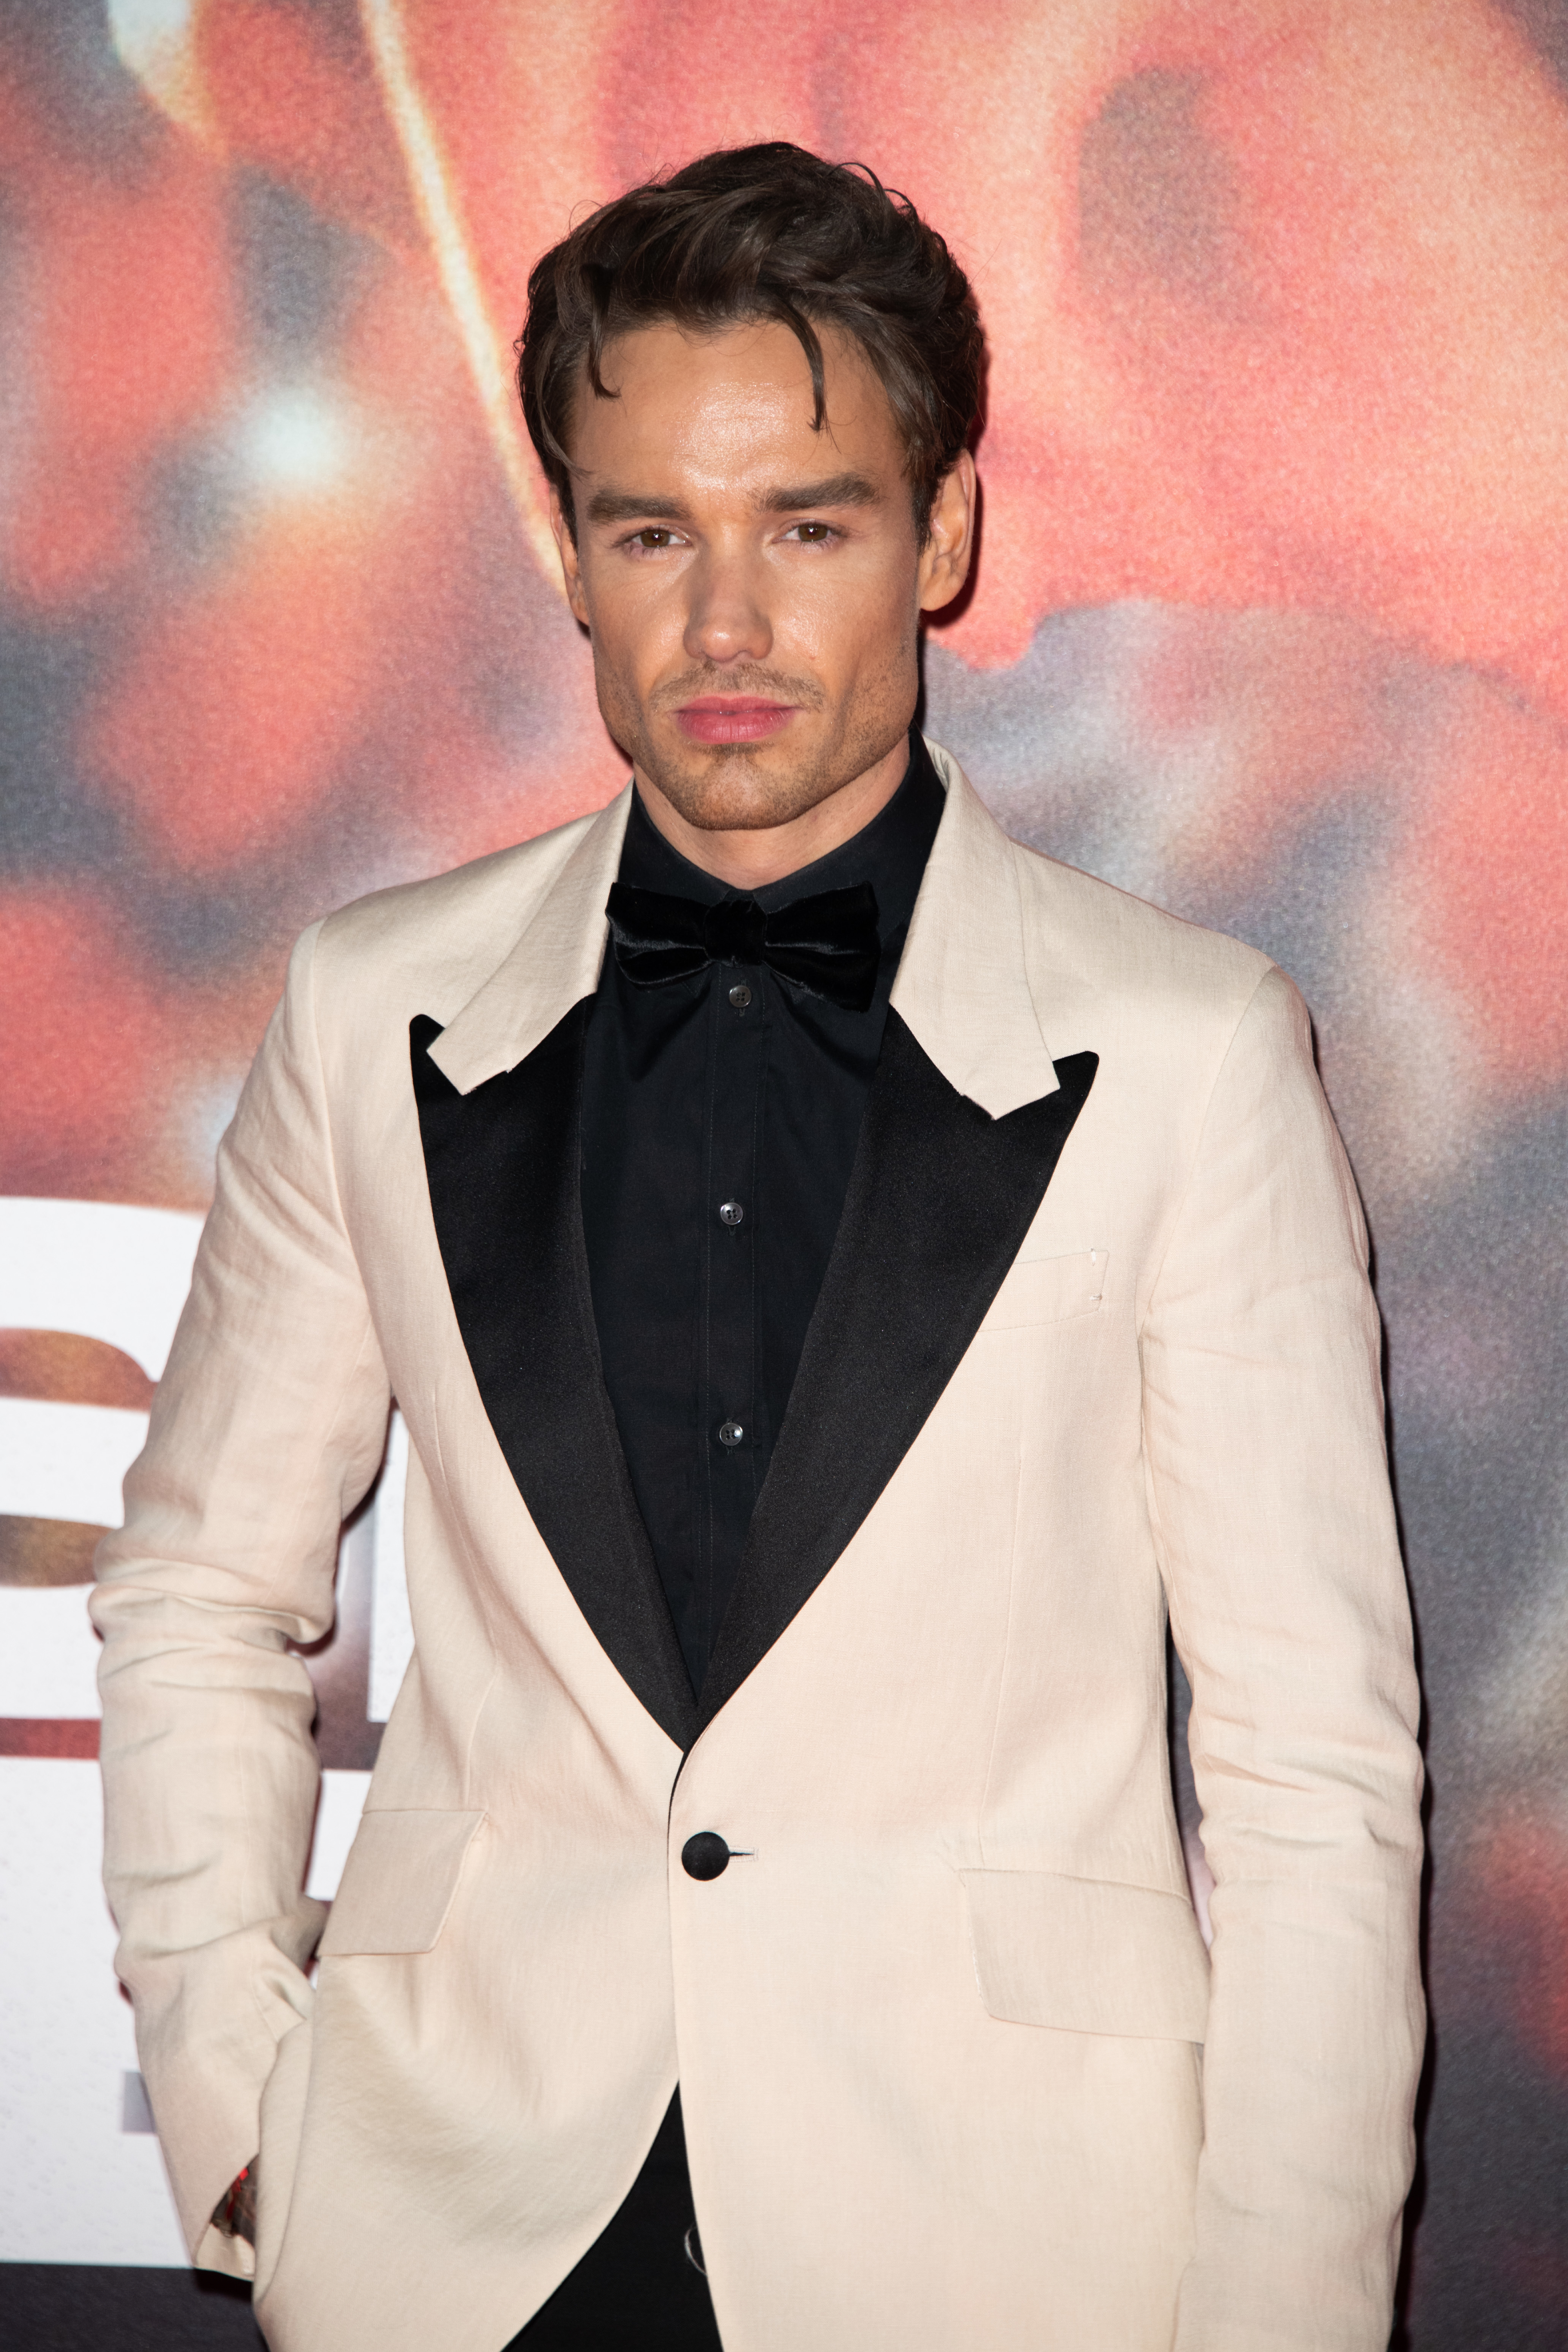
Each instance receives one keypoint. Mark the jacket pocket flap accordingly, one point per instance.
(1047, 1290)
(398, 1882)
(1087, 1955)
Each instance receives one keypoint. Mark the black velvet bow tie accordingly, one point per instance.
(828, 944)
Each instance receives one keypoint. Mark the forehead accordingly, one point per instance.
(731, 409)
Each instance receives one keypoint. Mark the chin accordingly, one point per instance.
(730, 790)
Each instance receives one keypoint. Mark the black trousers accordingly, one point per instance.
(637, 2288)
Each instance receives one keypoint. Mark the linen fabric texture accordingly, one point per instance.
(937, 2025)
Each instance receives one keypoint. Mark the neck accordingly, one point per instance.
(749, 860)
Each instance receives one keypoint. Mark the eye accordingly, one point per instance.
(652, 539)
(811, 534)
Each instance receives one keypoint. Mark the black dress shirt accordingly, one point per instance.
(720, 1118)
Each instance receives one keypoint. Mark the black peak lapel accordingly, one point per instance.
(940, 1199)
(502, 1164)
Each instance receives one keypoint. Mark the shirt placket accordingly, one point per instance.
(730, 1436)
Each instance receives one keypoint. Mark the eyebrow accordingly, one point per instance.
(847, 489)
(625, 506)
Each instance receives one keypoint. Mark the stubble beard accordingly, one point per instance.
(750, 787)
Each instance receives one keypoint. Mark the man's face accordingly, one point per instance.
(752, 586)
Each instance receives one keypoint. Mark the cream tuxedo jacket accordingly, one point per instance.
(1096, 1343)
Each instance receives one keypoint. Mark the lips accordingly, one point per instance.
(733, 719)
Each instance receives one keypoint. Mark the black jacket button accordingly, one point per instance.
(706, 1855)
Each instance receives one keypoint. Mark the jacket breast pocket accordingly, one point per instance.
(398, 1882)
(1087, 1955)
(1050, 1290)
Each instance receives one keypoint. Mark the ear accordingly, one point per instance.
(570, 566)
(944, 559)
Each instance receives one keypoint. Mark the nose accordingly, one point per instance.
(727, 619)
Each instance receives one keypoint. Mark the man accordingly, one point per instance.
(846, 1276)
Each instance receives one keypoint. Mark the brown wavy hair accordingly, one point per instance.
(762, 233)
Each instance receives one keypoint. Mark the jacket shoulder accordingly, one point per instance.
(1110, 943)
(450, 931)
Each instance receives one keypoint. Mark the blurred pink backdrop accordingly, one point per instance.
(1269, 625)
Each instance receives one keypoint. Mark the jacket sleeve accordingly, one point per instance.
(1268, 1485)
(267, 1429)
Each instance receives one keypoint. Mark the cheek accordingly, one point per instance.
(634, 622)
(853, 621)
